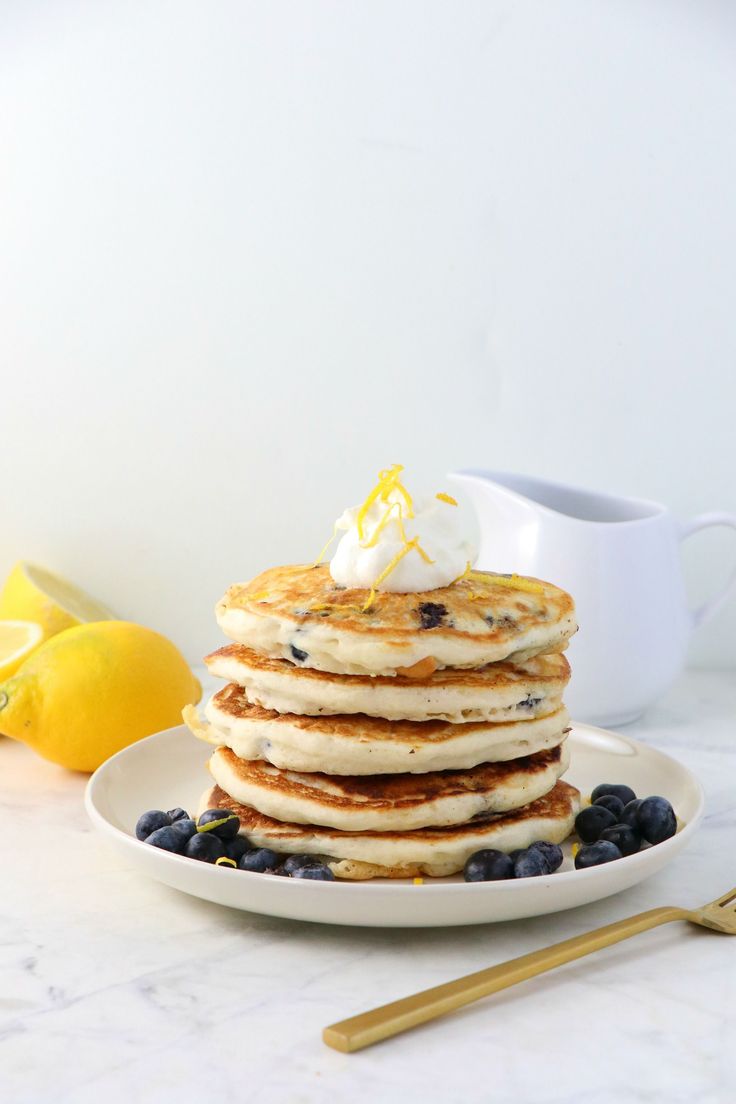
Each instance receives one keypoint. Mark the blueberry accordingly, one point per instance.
(295, 862)
(596, 853)
(185, 827)
(219, 822)
(431, 614)
(551, 852)
(656, 819)
(298, 654)
(488, 865)
(178, 814)
(630, 815)
(168, 839)
(528, 702)
(150, 821)
(531, 864)
(590, 822)
(625, 794)
(259, 860)
(614, 804)
(317, 872)
(234, 848)
(626, 838)
(205, 846)
(513, 855)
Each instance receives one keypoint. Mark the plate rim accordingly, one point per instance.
(401, 887)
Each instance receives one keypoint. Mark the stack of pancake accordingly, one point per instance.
(391, 735)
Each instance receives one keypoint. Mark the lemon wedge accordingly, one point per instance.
(33, 594)
(17, 640)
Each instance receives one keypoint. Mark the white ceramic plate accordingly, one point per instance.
(169, 769)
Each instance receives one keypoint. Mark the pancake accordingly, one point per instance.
(356, 744)
(499, 692)
(435, 852)
(389, 802)
(299, 613)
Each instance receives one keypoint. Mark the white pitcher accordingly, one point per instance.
(620, 560)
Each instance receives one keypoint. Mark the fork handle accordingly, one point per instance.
(391, 1019)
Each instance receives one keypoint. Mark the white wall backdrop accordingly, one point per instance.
(252, 252)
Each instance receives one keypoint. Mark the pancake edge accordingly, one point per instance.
(289, 746)
(361, 856)
(342, 651)
(297, 690)
(288, 797)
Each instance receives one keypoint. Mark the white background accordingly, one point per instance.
(251, 253)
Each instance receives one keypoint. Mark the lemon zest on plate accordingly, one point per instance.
(446, 498)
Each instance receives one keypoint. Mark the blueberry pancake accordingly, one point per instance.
(389, 803)
(435, 852)
(300, 614)
(356, 744)
(500, 692)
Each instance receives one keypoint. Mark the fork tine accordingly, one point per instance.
(726, 899)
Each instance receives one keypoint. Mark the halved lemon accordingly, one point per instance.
(33, 594)
(17, 640)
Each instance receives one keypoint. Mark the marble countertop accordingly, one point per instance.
(116, 988)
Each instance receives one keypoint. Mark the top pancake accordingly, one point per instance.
(299, 613)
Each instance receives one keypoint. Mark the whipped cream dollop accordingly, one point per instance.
(393, 543)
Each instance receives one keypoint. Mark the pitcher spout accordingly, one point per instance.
(496, 496)
(515, 495)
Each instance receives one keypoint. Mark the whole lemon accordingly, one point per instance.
(93, 689)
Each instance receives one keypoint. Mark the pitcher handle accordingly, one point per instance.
(704, 521)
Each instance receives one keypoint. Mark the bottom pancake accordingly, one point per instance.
(435, 852)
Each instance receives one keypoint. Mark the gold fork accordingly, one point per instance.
(391, 1019)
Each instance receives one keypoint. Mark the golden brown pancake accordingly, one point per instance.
(389, 802)
(497, 692)
(430, 851)
(356, 744)
(299, 613)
